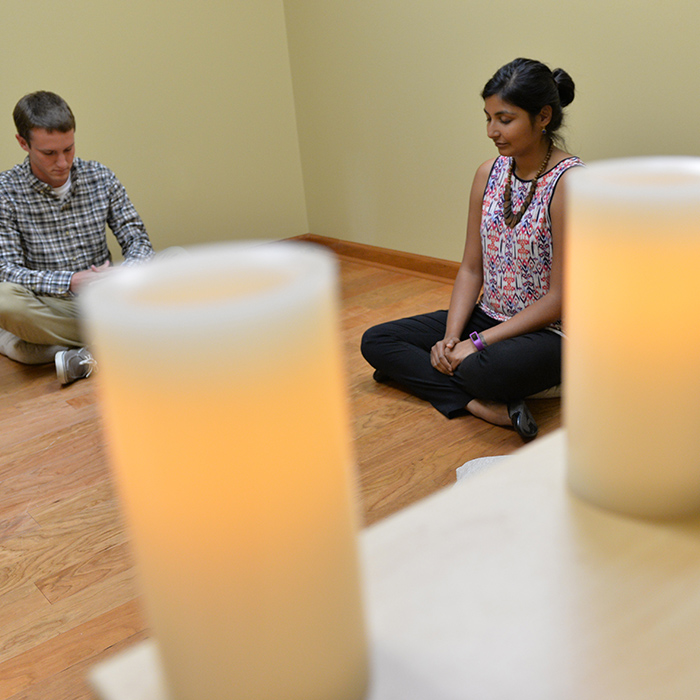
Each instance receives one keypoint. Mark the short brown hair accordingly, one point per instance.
(42, 110)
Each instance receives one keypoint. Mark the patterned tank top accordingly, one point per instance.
(518, 261)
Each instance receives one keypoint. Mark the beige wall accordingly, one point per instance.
(190, 103)
(390, 121)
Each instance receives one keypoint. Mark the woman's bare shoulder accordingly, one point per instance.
(483, 172)
(558, 156)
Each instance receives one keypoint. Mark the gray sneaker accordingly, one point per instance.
(74, 364)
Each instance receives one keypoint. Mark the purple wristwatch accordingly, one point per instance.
(478, 341)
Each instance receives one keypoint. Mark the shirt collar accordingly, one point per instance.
(40, 186)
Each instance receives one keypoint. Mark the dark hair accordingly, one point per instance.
(42, 110)
(531, 86)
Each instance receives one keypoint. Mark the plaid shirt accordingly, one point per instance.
(44, 239)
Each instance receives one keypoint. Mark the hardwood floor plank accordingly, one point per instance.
(22, 635)
(49, 477)
(84, 641)
(95, 568)
(23, 602)
(16, 525)
(71, 682)
(57, 546)
(34, 418)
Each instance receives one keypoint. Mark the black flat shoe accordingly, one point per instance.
(522, 420)
(379, 377)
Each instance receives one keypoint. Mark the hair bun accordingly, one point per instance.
(565, 85)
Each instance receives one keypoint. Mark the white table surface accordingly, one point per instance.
(508, 587)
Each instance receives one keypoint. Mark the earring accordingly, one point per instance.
(544, 131)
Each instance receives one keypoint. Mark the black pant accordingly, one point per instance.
(506, 371)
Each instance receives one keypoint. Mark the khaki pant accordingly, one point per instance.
(37, 319)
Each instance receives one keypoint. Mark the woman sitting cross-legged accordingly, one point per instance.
(500, 341)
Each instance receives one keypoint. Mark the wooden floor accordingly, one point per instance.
(67, 592)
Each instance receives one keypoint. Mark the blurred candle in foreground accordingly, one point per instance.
(632, 354)
(224, 406)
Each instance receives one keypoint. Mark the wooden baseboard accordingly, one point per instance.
(419, 265)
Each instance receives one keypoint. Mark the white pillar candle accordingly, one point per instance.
(224, 406)
(632, 317)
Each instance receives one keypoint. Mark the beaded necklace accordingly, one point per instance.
(511, 219)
